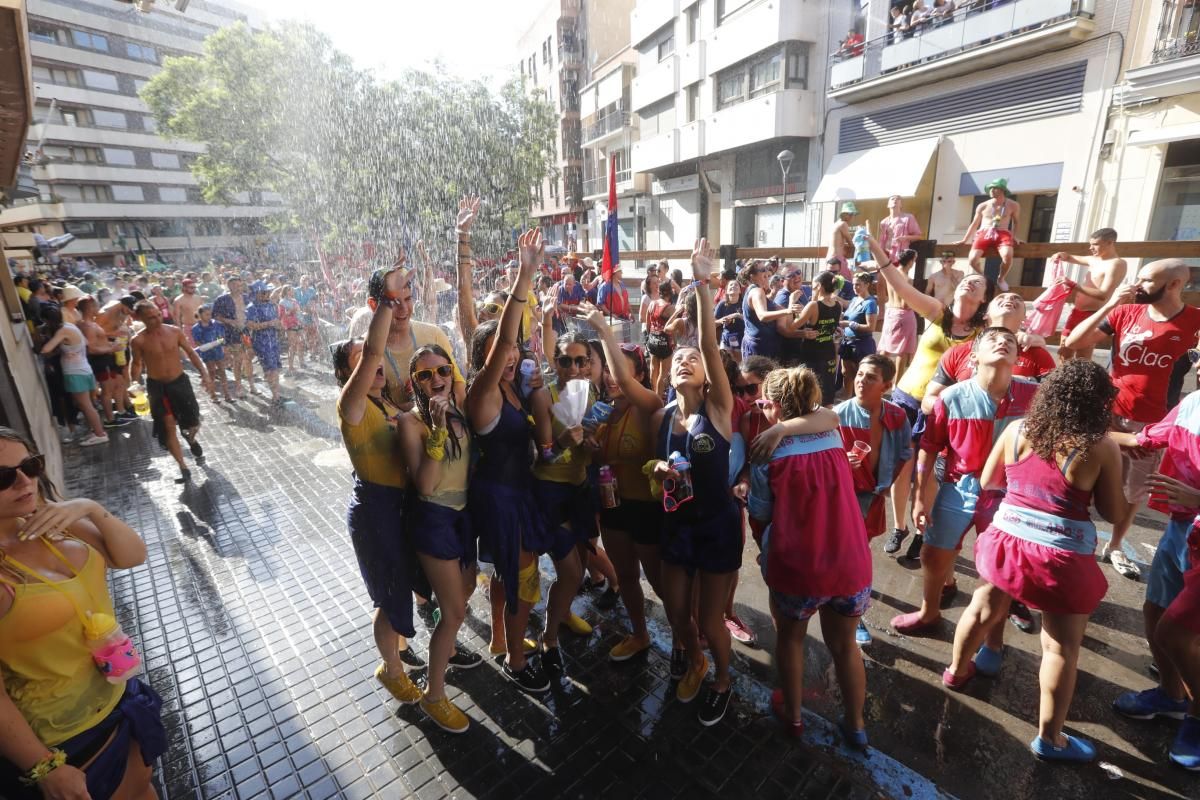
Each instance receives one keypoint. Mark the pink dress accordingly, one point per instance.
(1040, 546)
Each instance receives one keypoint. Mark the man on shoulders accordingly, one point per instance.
(1104, 272)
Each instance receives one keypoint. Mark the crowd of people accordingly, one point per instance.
(535, 423)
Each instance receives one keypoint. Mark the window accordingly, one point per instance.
(172, 194)
(693, 102)
(127, 194)
(91, 41)
(165, 160)
(138, 84)
(764, 75)
(726, 8)
(81, 229)
(769, 71)
(731, 87)
(797, 65)
(118, 158)
(693, 23)
(546, 51)
(141, 52)
(109, 119)
(100, 80)
(58, 75)
(208, 227)
(666, 45)
(149, 123)
(43, 33)
(88, 193)
(658, 118)
(73, 117)
(87, 155)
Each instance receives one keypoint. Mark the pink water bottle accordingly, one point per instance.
(609, 498)
(112, 649)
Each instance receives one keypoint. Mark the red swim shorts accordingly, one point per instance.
(992, 237)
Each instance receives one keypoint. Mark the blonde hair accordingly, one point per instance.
(796, 389)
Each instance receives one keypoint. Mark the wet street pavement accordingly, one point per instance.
(255, 628)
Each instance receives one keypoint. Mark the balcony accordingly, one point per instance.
(656, 82)
(691, 140)
(597, 187)
(109, 137)
(25, 186)
(969, 41)
(36, 213)
(759, 26)
(606, 126)
(101, 173)
(570, 55)
(648, 16)
(791, 112)
(1174, 67)
(656, 151)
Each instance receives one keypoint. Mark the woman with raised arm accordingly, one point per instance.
(70, 729)
(702, 536)
(961, 321)
(821, 314)
(501, 499)
(468, 209)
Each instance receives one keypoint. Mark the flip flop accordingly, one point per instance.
(958, 683)
(912, 624)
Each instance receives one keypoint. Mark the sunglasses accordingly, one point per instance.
(425, 375)
(491, 308)
(565, 362)
(748, 389)
(669, 502)
(31, 466)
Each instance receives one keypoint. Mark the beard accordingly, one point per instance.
(1142, 297)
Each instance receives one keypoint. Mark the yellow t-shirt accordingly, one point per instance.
(573, 471)
(374, 446)
(47, 667)
(451, 489)
(396, 358)
(930, 347)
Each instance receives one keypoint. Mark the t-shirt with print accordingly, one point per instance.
(1144, 352)
(955, 364)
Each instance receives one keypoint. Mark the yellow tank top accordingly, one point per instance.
(574, 471)
(451, 489)
(626, 447)
(47, 667)
(374, 446)
(930, 347)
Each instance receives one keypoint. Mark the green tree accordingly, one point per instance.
(354, 157)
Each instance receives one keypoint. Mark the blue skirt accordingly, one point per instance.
(564, 504)
(713, 544)
(508, 520)
(442, 532)
(385, 557)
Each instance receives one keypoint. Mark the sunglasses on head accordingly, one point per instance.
(748, 389)
(425, 375)
(564, 362)
(31, 466)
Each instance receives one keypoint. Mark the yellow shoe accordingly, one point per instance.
(627, 648)
(402, 688)
(531, 647)
(446, 715)
(577, 625)
(689, 687)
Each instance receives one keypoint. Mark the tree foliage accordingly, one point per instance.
(353, 156)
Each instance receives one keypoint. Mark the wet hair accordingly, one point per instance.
(421, 400)
(666, 291)
(886, 367)
(85, 303)
(979, 319)
(480, 343)
(906, 258)
(45, 486)
(1072, 410)
(1105, 235)
(796, 389)
(827, 281)
(142, 306)
(759, 366)
(986, 333)
(52, 319)
(340, 353)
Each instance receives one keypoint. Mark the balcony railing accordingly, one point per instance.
(608, 123)
(599, 184)
(1178, 47)
(972, 25)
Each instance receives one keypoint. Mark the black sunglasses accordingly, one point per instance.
(443, 371)
(31, 466)
(564, 362)
(748, 389)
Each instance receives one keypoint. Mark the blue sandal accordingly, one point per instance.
(1076, 750)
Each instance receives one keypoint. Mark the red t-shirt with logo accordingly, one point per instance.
(1144, 352)
(955, 364)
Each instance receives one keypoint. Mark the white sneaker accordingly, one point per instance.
(1122, 563)
(93, 439)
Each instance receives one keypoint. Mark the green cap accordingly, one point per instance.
(848, 207)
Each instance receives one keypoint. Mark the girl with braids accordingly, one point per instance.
(815, 556)
(500, 497)
(435, 443)
(68, 731)
(1040, 546)
(961, 321)
(368, 421)
(701, 537)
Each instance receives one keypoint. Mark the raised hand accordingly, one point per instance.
(52, 518)
(703, 260)
(468, 209)
(531, 246)
(437, 411)
(592, 315)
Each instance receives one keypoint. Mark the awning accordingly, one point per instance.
(1171, 133)
(1036, 178)
(876, 173)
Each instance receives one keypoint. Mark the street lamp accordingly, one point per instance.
(785, 159)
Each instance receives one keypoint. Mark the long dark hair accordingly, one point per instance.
(978, 320)
(421, 400)
(46, 487)
(340, 353)
(479, 343)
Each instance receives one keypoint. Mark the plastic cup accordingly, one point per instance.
(859, 452)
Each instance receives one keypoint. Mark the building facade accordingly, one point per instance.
(101, 171)
(722, 88)
(1018, 89)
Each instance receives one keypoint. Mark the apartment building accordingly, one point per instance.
(1149, 172)
(1014, 89)
(101, 171)
(552, 64)
(722, 88)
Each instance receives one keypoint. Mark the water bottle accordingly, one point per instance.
(608, 488)
(529, 369)
(683, 485)
(112, 649)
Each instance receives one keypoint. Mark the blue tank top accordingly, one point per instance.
(762, 337)
(505, 452)
(708, 452)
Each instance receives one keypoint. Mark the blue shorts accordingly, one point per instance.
(563, 505)
(713, 545)
(958, 507)
(1165, 581)
(801, 608)
(441, 532)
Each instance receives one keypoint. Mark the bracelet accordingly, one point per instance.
(435, 445)
(515, 299)
(38, 772)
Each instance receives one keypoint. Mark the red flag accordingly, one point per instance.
(611, 257)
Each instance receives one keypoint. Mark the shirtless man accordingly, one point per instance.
(114, 320)
(1105, 272)
(185, 308)
(99, 356)
(173, 404)
(841, 240)
(944, 281)
(995, 219)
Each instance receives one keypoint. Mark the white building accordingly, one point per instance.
(1016, 89)
(722, 87)
(101, 171)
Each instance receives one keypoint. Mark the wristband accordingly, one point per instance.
(514, 298)
(38, 772)
(435, 445)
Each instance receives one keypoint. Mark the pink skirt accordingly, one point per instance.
(1041, 577)
(899, 334)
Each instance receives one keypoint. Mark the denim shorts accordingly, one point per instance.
(1165, 581)
(959, 507)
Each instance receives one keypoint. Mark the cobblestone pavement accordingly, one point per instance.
(255, 628)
